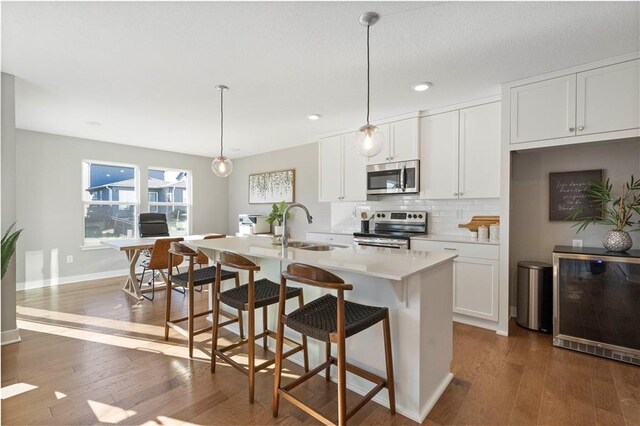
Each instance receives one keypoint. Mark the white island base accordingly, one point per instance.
(419, 305)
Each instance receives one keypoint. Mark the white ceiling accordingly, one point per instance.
(147, 70)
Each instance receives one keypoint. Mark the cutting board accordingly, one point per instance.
(477, 221)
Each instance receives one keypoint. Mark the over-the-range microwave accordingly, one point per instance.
(394, 178)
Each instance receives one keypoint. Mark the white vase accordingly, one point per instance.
(277, 230)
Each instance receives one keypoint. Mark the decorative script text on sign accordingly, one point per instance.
(567, 194)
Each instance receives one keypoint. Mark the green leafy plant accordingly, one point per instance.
(615, 210)
(277, 213)
(9, 241)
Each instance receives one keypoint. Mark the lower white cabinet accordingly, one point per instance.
(475, 276)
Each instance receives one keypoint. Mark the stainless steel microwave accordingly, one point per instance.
(394, 178)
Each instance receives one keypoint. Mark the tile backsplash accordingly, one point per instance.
(444, 215)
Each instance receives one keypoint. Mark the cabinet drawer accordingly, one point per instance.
(323, 237)
(481, 251)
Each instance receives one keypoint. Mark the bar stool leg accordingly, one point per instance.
(305, 352)
(190, 319)
(264, 327)
(252, 351)
(167, 312)
(240, 317)
(279, 348)
(328, 354)
(216, 321)
(342, 368)
(389, 364)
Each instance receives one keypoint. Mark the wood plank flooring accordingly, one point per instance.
(91, 355)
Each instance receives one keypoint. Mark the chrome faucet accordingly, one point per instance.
(285, 238)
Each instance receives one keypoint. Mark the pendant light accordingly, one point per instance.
(369, 138)
(221, 165)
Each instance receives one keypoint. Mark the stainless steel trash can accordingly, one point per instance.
(535, 296)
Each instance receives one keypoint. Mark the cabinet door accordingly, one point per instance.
(479, 174)
(384, 155)
(403, 140)
(439, 155)
(544, 110)
(475, 288)
(330, 168)
(608, 98)
(355, 171)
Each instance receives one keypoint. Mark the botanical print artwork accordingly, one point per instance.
(272, 187)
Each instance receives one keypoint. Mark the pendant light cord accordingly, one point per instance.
(368, 78)
(221, 121)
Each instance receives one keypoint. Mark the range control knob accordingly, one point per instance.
(415, 216)
(383, 215)
(378, 215)
(420, 216)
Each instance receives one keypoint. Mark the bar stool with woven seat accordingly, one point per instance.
(190, 280)
(202, 261)
(331, 320)
(249, 297)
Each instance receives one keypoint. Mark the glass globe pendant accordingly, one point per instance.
(368, 141)
(221, 165)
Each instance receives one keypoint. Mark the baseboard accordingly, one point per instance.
(10, 336)
(476, 322)
(513, 310)
(434, 399)
(52, 282)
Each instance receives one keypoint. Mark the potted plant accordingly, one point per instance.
(620, 212)
(9, 241)
(277, 215)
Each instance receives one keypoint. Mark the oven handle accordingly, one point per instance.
(403, 178)
(392, 246)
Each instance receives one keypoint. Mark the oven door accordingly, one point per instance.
(393, 178)
(382, 242)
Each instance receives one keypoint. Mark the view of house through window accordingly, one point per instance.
(110, 201)
(170, 193)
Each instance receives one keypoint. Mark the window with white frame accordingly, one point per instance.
(110, 200)
(170, 193)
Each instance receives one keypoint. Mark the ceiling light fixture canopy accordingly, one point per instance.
(221, 165)
(369, 137)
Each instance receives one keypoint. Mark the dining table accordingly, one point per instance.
(132, 248)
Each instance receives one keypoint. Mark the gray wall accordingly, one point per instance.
(8, 202)
(532, 235)
(50, 209)
(304, 159)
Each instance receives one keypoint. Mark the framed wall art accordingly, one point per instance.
(272, 187)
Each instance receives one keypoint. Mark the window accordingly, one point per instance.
(170, 193)
(110, 199)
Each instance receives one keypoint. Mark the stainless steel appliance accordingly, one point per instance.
(394, 178)
(534, 296)
(595, 306)
(393, 229)
(250, 224)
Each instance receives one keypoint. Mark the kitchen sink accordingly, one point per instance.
(304, 245)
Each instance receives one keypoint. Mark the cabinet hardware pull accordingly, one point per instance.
(581, 128)
(572, 129)
(461, 193)
(455, 193)
(450, 249)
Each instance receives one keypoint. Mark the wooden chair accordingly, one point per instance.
(189, 281)
(159, 261)
(249, 297)
(331, 320)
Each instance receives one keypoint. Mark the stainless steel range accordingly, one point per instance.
(393, 229)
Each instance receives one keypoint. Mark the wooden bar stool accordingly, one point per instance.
(331, 320)
(159, 261)
(249, 297)
(189, 281)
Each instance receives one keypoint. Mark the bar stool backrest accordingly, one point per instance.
(160, 254)
(202, 258)
(235, 261)
(314, 276)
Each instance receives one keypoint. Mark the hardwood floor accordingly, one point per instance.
(90, 354)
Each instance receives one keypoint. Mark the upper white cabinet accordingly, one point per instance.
(460, 153)
(582, 106)
(609, 98)
(543, 110)
(342, 170)
(400, 142)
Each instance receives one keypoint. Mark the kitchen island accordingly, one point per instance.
(416, 286)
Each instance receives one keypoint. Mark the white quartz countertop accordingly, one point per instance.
(456, 239)
(379, 262)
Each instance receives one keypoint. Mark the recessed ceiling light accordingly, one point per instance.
(94, 123)
(422, 86)
(314, 116)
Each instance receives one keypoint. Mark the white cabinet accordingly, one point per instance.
(460, 153)
(562, 109)
(331, 238)
(400, 142)
(342, 170)
(543, 110)
(475, 276)
(608, 99)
